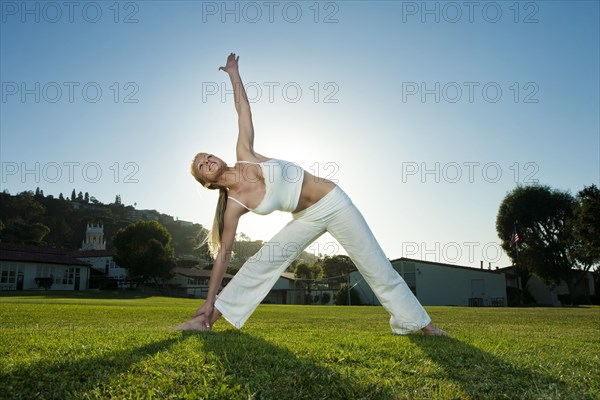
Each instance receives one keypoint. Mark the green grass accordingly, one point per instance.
(98, 345)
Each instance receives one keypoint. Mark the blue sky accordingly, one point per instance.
(426, 113)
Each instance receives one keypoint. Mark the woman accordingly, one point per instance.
(260, 184)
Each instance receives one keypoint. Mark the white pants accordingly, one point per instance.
(335, 214)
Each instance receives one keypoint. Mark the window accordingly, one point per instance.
(8, 273)
(410, 277)
(44, 271)
(66, 278)
(197, 281)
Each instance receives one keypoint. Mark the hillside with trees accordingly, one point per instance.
(34, 218)
(44, 220)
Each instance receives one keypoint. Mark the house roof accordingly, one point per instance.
(92, 253)
(288, 275)
(38, 254)
(491, 271)
(195, 272)
(509, 268)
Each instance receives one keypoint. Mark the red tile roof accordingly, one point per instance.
(38, 254)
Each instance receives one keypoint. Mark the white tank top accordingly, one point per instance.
(283, 181)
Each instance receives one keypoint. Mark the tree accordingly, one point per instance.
(243, 249)
(303, 273)
(118, 199)
(307, 274)
(190, 241)
(586, 225)
(21, 217)
(546, 245)
(340, 298)
(585, 230)
(144, 248)
(337, 267)
(73, 196)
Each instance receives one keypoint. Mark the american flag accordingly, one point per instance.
(514, 238)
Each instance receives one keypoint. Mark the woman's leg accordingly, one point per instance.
(238, 300)
(351, 230)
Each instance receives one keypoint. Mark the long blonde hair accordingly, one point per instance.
(214, 237)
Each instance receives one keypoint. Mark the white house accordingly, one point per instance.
(93, 251)
(437, 284)
(103, 268)
(20, 265)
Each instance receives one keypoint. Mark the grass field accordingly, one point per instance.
(109, 345)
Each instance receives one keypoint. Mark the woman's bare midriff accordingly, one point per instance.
(313, 190)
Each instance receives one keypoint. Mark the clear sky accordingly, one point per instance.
(426, 113)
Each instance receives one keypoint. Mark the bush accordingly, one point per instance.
(44, 283)
(513, 297)
(341, 297)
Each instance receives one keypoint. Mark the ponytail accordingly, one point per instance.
(218, 223)
(214, 237)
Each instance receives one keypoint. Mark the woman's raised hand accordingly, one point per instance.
(232, 63)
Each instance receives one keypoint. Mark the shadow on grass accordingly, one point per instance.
(268, 371)
(260, 368)
(61, 379)
(483, 375)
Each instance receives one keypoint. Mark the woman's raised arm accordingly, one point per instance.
(245, 143)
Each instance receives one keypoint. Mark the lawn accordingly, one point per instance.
(110, 345)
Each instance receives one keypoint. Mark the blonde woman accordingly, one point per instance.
(260, 184)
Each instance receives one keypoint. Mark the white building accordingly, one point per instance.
(92, 266)
(103, 269)
(105, 272)
(94, 238)
(20, 265)
(437, 284)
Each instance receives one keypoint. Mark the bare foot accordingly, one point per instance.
(197, 324)
(433, 330)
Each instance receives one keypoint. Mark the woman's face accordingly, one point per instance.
(208, 167)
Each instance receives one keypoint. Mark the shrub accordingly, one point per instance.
(44, 283)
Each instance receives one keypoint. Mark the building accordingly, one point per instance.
(90, 267)
(21, 265)
(193, 282)
(94, 238)
(105, 273)
(438, 284)
(284, 291)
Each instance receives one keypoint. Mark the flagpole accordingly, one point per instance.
(518, 263)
